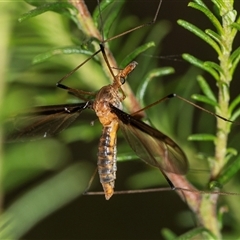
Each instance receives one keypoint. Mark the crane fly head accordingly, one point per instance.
(120, 78)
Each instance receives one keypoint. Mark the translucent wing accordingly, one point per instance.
(151, 145)
(42, 122)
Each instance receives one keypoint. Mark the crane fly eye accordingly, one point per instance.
(122, 80)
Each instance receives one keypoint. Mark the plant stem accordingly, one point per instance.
(223, 128)
(209, 204)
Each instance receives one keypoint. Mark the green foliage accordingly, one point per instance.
(33, 206)
(222, 71)
(62, 8)
(225, 163)
(59, 41)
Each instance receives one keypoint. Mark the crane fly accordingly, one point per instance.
(148, 143)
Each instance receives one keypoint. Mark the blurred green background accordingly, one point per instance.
(43, 176)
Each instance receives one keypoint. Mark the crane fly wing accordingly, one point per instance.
(151, 145)
(158, 150)
(42, 122)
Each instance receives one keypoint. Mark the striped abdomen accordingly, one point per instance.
(107, 165)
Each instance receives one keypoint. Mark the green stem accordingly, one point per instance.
(209, 203)
(223, 95)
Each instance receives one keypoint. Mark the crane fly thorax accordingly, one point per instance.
(107, 95)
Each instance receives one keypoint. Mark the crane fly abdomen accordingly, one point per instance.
(107, 163)
(109, 95)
